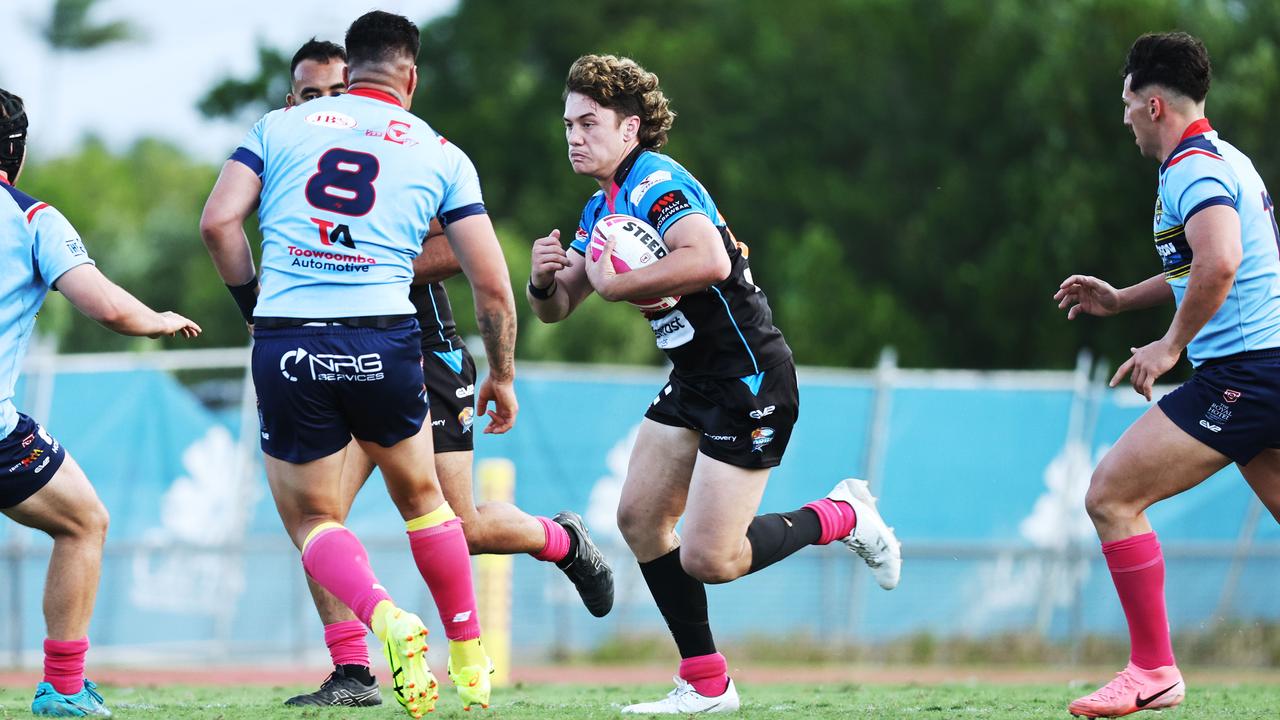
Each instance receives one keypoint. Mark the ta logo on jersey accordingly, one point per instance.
(757, 414)
(332, 368)
(334, 234)
(760, 437)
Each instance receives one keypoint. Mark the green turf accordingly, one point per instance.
(830, 702)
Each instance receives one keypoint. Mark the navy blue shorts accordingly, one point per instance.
(29, 457)
(318, 386)
(1231, 404)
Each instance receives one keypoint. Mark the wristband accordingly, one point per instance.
(246, 297)
(542, 293)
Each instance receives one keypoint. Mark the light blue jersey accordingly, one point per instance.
(1204, 171)
(37, 245)
(349, 187)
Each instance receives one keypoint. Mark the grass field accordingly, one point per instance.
(564, 702)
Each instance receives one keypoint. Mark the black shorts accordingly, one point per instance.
(740, 425)
(451, 388)
(1231, 404)
(319, 386)
(29, 457)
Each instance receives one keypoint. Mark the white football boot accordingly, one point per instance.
(871, 538)
(684, 700)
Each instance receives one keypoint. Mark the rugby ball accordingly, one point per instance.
(636, 244)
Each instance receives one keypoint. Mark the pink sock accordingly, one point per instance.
(346, 643)
(441, 554)
(837, 519)
(557, 547)
(64, 664)
(708, 674)
(1137, 568)
(336, 559)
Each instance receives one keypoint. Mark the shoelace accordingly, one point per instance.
(1121, 686)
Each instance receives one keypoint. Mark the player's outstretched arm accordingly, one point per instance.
(233, 198)
(104, 301)
(696, 261)
(557, 279)
(436, 262)
(1094, 296)
(482, 261)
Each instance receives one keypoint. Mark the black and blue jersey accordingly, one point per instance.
(725, 331)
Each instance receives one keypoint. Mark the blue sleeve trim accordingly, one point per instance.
(456, 214)
(1220, 200)
(249, 159)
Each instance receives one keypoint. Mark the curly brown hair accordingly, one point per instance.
(620, 84)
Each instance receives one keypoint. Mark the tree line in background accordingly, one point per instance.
(912, 173)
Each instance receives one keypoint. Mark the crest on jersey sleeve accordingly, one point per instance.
(1159, 214)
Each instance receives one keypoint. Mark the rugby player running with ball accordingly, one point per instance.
(711, 436)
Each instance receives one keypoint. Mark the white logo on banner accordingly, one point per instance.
(201, 512)
(1057, 523)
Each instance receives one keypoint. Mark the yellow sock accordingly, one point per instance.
(439, 516)
(381, 615)
(467, 653)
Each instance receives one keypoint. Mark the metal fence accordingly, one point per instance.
(982, 472)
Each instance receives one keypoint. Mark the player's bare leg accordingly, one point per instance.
(311, 502)
(654, 497)
(351, 683)
(69, 511)
(1263, 475)
(1153, 460)
(440, 550)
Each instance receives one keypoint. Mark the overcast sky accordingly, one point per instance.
(151, 86)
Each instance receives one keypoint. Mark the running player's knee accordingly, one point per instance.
(707, 567)
(1100, 502)
(632, 525)
(97, 521)
(476, 531)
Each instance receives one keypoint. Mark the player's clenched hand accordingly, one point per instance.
(171, 323)
(1148, 363)
(548, 258)
(1087, 294)
(600, 272)
(503, 415)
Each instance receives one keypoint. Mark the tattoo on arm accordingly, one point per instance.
(499, 332)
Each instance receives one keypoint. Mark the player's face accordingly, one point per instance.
(313, 79)
(598, 137)
(1137, 116)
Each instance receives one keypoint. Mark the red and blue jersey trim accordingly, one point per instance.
(1193, 142)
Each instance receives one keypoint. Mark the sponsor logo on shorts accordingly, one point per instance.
(28, 439)
(757, 414)
(332, 368)
(1210, 426)
(26, 462)
(666, 207)
(465, 392)
(760, 437)
(672, 330)
(466, 418)
(42, 465)
(1218, 412)
(721, 438)
(1231, 395)
(652, 179)
(437, 423)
